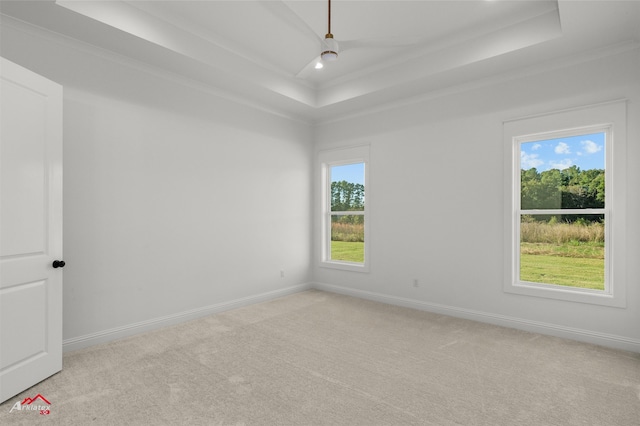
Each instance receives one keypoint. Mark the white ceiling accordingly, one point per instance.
(263, 51)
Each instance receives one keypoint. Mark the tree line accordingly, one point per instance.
(347, 196)
(570, 188)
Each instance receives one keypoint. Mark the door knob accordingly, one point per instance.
(58, 263)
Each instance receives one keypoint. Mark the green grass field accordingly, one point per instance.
(347, 251)
(570, 264)
(573, 263)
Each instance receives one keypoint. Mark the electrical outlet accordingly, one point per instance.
(416, 284)
(281, 273)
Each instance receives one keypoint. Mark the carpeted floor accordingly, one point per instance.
(317, 358)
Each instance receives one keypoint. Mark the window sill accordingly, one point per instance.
(549, 291)
(345, 266)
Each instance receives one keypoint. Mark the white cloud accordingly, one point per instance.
(527, 161)
(562, 148)
(562, 164)
(590, 147)
(536, 147)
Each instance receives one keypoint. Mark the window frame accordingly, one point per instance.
(341, 157)
(611, 119)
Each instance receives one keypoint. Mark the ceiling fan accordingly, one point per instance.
(329, 47)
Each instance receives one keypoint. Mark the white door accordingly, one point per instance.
(30, 229)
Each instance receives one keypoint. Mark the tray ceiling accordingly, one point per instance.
(264, 51)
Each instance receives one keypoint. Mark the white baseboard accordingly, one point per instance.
(602, 339)
(105, 336)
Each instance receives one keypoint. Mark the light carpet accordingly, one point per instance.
(317, 358)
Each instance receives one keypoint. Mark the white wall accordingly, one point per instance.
(150, 165)
(175, 201)
(436, 195)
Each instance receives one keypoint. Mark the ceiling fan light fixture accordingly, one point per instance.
(329, 56)
(329, 48)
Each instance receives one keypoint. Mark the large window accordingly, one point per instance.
(563, 220)
(566, 180)
(344, 208)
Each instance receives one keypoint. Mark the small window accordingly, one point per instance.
(347, 213)
(344, 216)
(565, 179)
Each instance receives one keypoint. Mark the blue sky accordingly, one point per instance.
(353, 173)
(584, 151)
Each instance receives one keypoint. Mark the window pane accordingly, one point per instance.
(565, 250)
(347, 187)
(563, 173)
(347, 238)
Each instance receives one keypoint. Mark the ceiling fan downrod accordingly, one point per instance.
(329, 20)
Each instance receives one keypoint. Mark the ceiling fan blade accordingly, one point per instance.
(281, 10)
(309, 68)
(381, 42)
